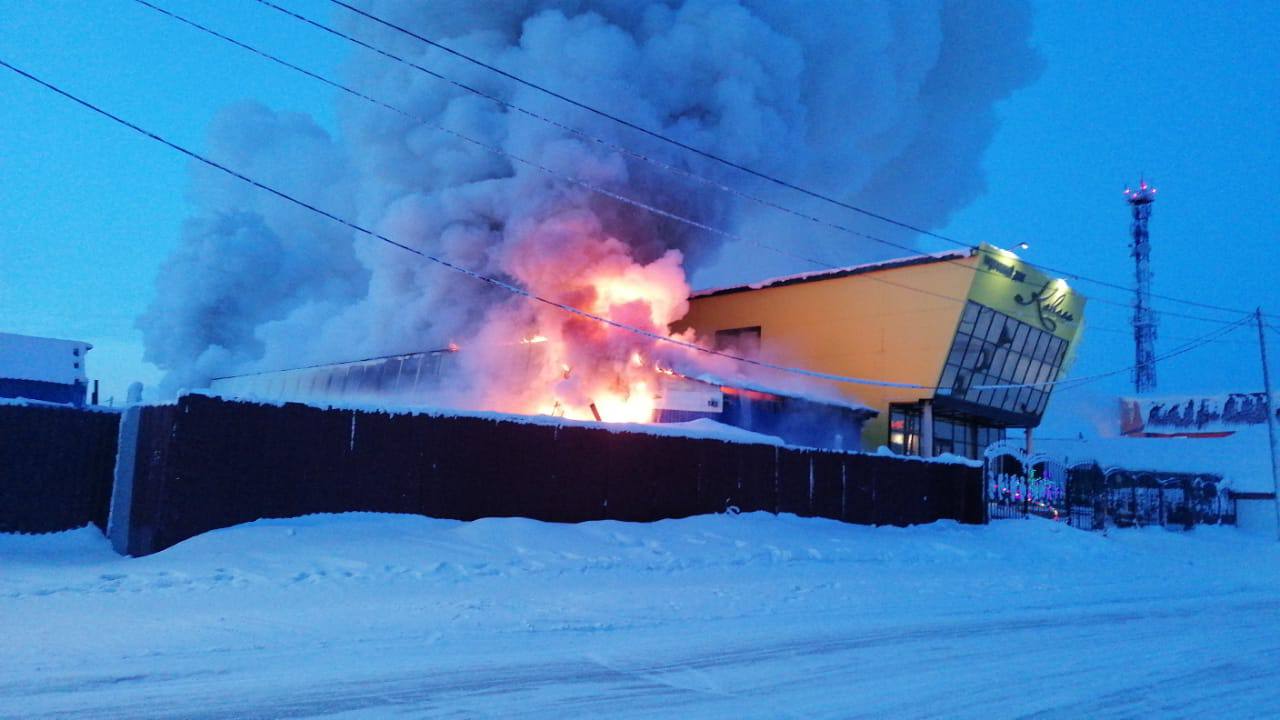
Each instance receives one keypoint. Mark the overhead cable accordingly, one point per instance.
(517, 158)
(509, 287)
(495, 282)
(698, 151)
(638, 128)
(1068, 383)
(609, 193)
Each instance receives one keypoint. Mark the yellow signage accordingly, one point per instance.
(1006, 284)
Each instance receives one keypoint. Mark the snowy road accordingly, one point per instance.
(753, 616)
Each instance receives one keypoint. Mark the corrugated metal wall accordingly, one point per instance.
(403, 379)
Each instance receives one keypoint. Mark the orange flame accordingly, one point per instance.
(574, 367)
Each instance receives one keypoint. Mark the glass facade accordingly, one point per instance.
(991, 348)
(951, 433)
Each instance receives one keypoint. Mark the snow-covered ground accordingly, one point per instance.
(751, 616)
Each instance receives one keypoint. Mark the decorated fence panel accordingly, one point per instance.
(1088, 496)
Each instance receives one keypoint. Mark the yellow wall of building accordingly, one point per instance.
(874, 325)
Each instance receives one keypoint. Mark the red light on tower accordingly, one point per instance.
(1144, 195)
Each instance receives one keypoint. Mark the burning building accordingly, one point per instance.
(569, 230)
(431, 378)
(965, 340)
(968, 344)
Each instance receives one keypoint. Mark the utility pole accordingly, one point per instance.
(1271, 415)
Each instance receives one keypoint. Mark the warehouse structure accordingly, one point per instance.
(424, 379)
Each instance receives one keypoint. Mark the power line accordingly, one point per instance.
(587, 136)
(1159, 313)
(698, 151)
(516, 290)
(1188, 347)
(1069, 383)
(577, 181)
(1090, 327)
(511, 156)
(639, 128)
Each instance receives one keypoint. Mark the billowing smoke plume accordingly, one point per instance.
(885, 104)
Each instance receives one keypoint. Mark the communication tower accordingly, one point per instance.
(1144, 318)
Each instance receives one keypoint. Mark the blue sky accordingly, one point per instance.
(88, 209)
(1185, 92)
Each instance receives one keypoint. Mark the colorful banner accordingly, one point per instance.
(1200, 416)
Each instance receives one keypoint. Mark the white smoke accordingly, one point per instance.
(884, 104)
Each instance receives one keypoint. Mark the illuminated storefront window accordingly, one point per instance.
(956, 435)
(904, 429)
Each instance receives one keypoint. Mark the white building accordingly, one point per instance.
(45, 369)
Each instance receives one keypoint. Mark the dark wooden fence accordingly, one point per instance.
(56, 466)
(205, 463)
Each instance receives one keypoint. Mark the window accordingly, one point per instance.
(904, 429)
(957, 435)
(744, 340)
(991, 348)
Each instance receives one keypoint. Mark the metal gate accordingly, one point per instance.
(1018, 485)
(1084, 495)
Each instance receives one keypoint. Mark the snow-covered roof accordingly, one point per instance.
(739, 382)
(834, 273)
(1243, 459)
(26, 357)
(257, 383)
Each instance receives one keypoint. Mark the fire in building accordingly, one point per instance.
(987, 331)
(957, 321)
(425, 378)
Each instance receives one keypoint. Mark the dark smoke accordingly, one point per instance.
(888, 104)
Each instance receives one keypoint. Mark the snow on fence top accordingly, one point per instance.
(26, 357)
(702, 429)
(28, 402)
